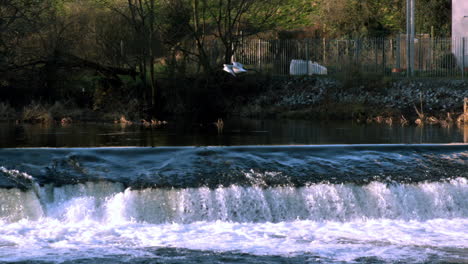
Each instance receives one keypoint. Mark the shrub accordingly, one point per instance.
(36, 113)
(60, 110)
(7, 112)
(447, 61)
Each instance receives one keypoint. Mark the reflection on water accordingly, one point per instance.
(235, 132)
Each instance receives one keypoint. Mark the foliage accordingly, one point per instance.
(296, 14)
(361, 17)
(434, 13)
(381, 17)
(52, 50)
(447, 60)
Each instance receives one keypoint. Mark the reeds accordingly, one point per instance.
(36, 113)
(60, 112)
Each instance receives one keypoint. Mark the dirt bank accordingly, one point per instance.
(325, 98)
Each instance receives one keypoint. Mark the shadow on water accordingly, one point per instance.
(178, 255)
(235, 132)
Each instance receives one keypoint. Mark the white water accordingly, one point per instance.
(109, 202)
(386, 239)
(406, 222)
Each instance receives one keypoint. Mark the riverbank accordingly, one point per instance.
(369, 99)
(374, 100)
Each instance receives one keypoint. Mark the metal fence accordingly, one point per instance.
(433, 57)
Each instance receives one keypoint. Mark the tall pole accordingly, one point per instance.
(408, 32)
(463, 58)
(413, 33)
(410, 7)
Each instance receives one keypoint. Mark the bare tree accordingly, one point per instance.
(141, 16)
(223, 21)
(187, 29)
(17, 26)
(236, 19)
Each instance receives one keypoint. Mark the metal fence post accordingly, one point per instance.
(324, 51)
(463, 57)
(384, 59)
(376, 55)
(358, 53)
(398, 52)
(307, 55)
(420, 54)
(258, 56)
(337, 55)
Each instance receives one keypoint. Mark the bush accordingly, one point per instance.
(36, 113)
(60, 110)
(447, 61)
(7, 112)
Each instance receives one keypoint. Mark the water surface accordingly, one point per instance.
(235, 132)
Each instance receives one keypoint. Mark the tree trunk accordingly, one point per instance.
(153, 82)
(228, 52)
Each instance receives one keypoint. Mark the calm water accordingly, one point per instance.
(235, 132)
(203, 196)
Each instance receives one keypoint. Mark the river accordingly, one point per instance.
(257, 192)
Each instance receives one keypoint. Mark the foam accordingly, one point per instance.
(106, 201)
(339, 222)
(413, 241)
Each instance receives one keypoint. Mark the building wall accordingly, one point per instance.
(460, 29)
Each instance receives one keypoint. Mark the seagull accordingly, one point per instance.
(229, 69)
(238, 67)
(234, 68)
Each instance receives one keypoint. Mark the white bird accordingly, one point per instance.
(238, 67)
(229, 69)
(234, 68)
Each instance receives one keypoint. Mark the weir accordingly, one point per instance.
(332, 204)
(106, 202)
(193, 167)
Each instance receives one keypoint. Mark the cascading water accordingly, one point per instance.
(337, 204)
(105, 201)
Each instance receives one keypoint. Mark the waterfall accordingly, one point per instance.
(106, 201)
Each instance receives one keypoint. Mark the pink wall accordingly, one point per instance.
(460, 28)
(459, 22)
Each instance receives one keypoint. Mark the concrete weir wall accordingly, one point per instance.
(460, 30)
